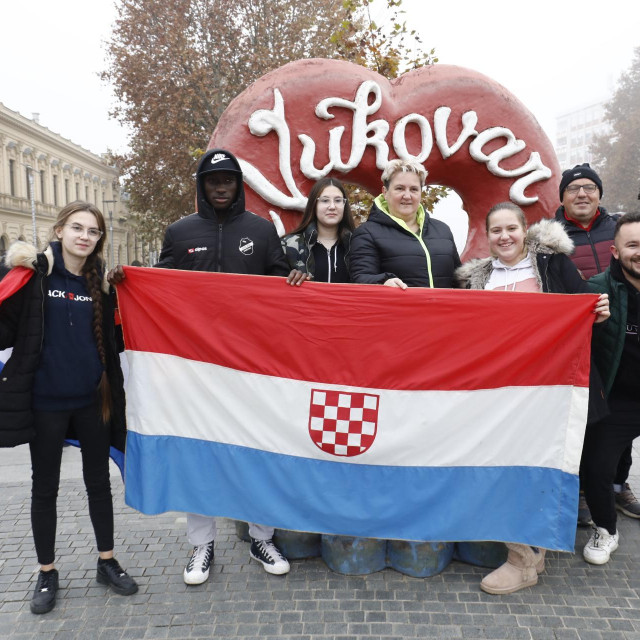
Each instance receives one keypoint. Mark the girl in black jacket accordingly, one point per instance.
(63, 379)
(319, 245)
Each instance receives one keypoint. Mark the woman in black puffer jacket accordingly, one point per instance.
(400, 245)
(534, 260)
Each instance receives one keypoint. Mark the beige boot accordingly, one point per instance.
(519, 571)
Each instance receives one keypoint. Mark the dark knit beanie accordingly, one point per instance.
(579, 171)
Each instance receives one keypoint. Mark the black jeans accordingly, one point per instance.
(624, 466)
(604, 444)
(46, 456)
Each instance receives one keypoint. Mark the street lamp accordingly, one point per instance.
(32, 197)
(111, 260)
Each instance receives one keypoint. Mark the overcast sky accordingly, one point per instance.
(552, 55)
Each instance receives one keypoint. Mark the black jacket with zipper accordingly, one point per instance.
(239, 242)
(382, 249)
(592, 251)
(299, 249)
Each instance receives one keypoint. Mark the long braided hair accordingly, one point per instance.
(93, 272)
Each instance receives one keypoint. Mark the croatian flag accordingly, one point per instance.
(359, 410)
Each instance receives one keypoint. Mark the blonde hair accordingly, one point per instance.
(404, 166)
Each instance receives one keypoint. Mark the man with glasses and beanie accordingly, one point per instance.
(222, 236)
(591, 229)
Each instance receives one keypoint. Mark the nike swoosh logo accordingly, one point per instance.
(216, 160)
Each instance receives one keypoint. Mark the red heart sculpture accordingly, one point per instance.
(315, 117)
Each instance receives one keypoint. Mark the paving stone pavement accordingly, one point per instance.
(572, 601)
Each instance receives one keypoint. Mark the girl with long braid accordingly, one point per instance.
(63, 380)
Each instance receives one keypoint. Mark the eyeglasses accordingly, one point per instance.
(338, 202)
(92, 232)
(588, 188)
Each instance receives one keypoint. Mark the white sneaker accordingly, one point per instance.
(197, 569)
(265, 552)
(600, 546)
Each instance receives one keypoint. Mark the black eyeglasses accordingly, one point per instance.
(588, 188)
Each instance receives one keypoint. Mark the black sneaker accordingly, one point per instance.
(113, 575)
(44, 595)
(584, 514)
(197, 569)
(265, 552)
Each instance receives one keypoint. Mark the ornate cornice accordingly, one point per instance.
(14, 121)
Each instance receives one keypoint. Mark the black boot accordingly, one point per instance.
(44, 595)
(112, 574)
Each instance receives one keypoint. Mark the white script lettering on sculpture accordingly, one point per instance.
(374, 133)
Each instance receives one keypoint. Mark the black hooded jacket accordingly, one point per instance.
(240, 242)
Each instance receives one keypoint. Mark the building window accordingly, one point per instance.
(12, 177)
(66, 190)
(28, 169)
(86, 194)
(95, 197)
(55, 190)
(77, 191)
(42, 193)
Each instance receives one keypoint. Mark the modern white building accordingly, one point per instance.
(575, 131)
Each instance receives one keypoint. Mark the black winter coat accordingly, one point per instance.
(559, 274)
(21, 327)
(239, 242)
(382, 249)
(592, 252)
(298, 248)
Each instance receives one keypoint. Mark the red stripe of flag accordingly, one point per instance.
(360, 335)
(14, 281)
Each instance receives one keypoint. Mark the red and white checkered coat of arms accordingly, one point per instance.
(343, 423)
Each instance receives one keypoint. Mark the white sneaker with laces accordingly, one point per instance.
(197, 569)
(600, 546)
(265, 552)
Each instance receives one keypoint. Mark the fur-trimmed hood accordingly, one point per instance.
(23, 254)
(549, 236)
(546, 236)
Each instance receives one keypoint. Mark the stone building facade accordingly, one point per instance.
(35, 161)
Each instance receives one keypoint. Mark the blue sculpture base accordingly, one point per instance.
(360, 556)
(482, 554)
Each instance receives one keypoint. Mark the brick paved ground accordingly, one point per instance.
(573, 600)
